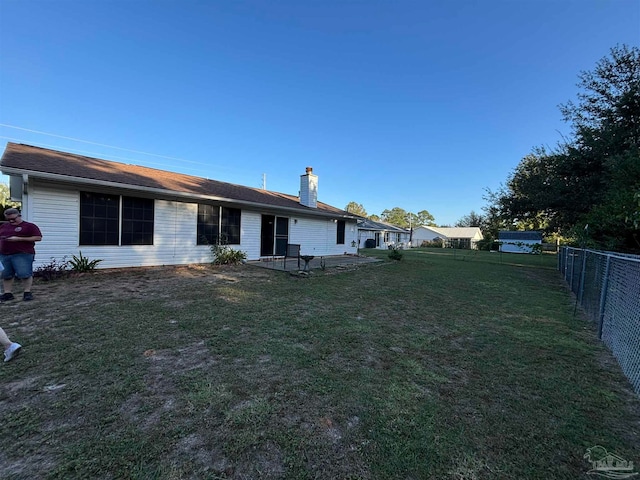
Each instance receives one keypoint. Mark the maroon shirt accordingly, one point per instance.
(24, 229)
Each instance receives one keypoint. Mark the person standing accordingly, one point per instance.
(17, 252)
(11, 349)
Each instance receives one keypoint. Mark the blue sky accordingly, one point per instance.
(418, 104)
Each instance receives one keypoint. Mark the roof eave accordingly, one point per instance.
(160, 191)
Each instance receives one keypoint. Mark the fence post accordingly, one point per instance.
(573, 261)
(603, 296)
(581, 285)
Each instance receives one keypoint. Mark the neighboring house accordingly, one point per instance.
(519, 242)
(129, 215)
(456, 237)
(381, 235)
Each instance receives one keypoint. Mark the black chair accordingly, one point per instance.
(293, 251)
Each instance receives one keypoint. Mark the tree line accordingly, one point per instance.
(395, 216)
(586, 190)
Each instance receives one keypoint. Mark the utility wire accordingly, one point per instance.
(96, 143)
(94, 154)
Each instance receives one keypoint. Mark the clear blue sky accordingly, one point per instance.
(414, 104)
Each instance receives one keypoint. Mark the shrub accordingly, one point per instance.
(488, 243)
(81, 263)
(52, 270)
(225, 255)
(395, 253)
(435, 243)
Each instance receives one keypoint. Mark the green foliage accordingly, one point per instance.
(403, 219)
(423, 217)
(437, 243)
(225, 255)
(5, 198)
(593, 177)
(356, 209)
(396, 216)
(52, 270)
(81, 264)
(488, 243)
(395, 253)
(473, 219)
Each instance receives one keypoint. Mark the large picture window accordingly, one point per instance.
(108, 219)
(218, 225)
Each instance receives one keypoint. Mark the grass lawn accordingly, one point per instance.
(440, 366)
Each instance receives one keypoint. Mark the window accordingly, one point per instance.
(102, 222)
(340, 232)
(208, 224)
(99, 218)
(398, 237)
(137, 221)
(231, 225)
(218, 225)
(386, 237)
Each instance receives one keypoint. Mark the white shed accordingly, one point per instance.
(519, 242)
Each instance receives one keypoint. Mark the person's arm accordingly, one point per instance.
(34, 238)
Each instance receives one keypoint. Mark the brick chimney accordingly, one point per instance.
(309, 189)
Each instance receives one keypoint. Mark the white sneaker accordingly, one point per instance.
(12, 351)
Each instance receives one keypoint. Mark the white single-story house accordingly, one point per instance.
(519, 242)
(372, 234)
(451, 237)
(128, 215)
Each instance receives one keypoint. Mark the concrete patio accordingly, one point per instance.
(317, 263)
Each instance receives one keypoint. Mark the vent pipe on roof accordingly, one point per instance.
(309, 189)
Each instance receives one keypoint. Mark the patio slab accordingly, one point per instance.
(317, 263)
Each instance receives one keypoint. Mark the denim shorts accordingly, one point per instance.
(18, 265)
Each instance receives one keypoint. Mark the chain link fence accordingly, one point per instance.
(607, 286)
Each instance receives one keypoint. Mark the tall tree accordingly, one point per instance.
(396, 216)
(594, 176)
(423, 217)
(472, 219)
(356, 209)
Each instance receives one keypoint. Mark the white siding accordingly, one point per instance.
(421, 234)
(56, 210)
(57, 213)
(384, 245)
(318, 236)
(517, 246)
(250, 225)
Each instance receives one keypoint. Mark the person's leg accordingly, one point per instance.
(7, 285)
(11, 349)
(4, 339)
(7, 276)
(23, 266)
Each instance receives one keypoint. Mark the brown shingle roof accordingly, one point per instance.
(42, 162)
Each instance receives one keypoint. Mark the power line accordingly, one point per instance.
(97, 144)
(95, 154)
